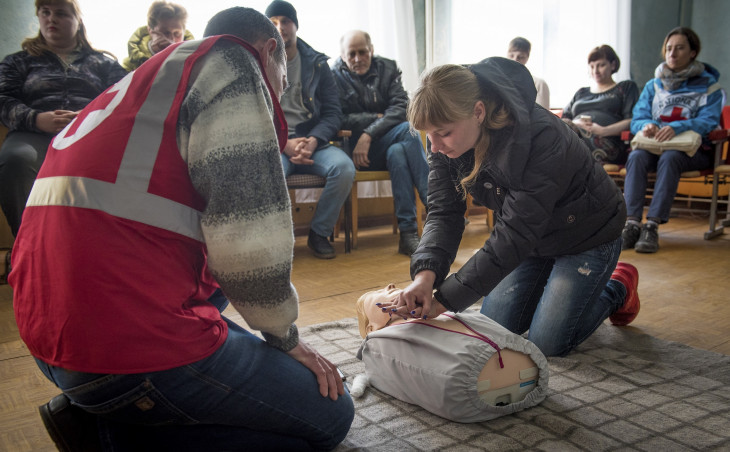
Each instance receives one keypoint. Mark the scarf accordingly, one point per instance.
(673, 79)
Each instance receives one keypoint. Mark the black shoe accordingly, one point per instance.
(649, 240)
(70, 427)
(320, 246)
(630, 235)
(4, 276)
(408, 242)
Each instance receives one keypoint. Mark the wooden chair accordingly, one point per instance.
(352, 210)
(720, 176)
(716, 176)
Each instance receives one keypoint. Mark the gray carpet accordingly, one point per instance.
(620, 390)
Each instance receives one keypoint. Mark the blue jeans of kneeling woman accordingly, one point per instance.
(245, 396)
(560, 300)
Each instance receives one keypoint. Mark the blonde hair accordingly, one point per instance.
(37, 44)
(448, 94)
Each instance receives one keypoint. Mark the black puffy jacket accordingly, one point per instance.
(380, 90)
(549, 196)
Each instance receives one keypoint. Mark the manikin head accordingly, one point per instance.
(370, 316)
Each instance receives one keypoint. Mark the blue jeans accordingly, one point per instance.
(334, 165)
(669, 165)
(560, 300)
(21, 156)
(245, 396)
(401, 153)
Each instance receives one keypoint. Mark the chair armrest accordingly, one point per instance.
(343, 141)
(718, 135)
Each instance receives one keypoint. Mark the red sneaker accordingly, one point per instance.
(627, 275)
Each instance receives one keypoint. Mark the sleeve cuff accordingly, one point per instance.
(286, 343)
(454, 295)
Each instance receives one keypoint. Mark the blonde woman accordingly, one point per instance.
(550, 265)
(42, 88)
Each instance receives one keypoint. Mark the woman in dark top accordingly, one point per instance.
(600, 113)
(550, 264)
(42, 88)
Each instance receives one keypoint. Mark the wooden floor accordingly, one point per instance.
(684, 290)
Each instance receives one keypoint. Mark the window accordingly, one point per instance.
(562, 33)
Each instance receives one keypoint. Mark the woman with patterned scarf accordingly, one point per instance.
(684, 95)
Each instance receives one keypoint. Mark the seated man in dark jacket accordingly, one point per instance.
(312, 110)
(374, 104)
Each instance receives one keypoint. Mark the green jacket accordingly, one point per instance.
(138, 47)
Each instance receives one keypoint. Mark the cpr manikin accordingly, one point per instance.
(461, 366)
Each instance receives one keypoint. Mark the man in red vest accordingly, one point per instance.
(165, 190)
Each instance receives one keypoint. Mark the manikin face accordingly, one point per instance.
(287, 30)
(58, 24)
(601, 71)
(678, 53)
(357, 54)
(367, 307)
(455, 138)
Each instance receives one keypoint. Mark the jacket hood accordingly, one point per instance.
(512, 83)
(713, 72)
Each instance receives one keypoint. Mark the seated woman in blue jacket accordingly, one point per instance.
(684, 95)
(550, 264)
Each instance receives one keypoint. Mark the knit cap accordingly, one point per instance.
(282, 8)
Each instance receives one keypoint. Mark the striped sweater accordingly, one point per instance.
(227, 137)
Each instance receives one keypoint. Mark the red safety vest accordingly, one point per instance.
(109, 269)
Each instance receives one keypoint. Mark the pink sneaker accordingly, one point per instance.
(627, 275)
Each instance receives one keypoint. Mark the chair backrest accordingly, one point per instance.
(725, 124)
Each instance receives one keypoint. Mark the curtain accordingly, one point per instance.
(562, 33)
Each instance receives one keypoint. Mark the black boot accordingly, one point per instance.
(320, 246)
(408, 242)
(70, 427)
(649, 240)
(630, 235)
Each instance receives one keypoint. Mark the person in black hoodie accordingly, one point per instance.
(550, 264)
